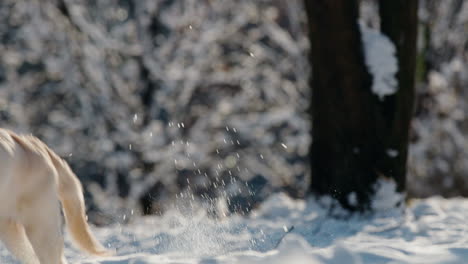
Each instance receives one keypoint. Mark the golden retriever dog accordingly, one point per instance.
(34, 180)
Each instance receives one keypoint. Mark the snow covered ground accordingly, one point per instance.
(282, 230)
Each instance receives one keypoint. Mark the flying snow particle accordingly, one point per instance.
(121, 14)
(392, 153)
(230, 161)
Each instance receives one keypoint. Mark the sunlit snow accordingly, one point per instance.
(283, 230)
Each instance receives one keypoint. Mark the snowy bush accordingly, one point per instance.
(151, 99)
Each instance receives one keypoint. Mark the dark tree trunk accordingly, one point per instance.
(352, 129)
(399, 22)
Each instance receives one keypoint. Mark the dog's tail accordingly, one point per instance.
(71, 196)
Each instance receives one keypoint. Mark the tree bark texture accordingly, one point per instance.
(352, 129)
(399, 22)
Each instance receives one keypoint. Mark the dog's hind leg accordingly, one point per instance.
(14, 237)
(43, 228)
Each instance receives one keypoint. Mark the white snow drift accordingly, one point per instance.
(282, 230)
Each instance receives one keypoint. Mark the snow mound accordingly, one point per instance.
(386, 196)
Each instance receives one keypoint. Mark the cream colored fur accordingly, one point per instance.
(33, 179)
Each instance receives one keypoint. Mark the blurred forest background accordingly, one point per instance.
(148, 100)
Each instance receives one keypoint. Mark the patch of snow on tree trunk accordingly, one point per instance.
(379, 53)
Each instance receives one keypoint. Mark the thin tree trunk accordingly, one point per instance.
(399, 21)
